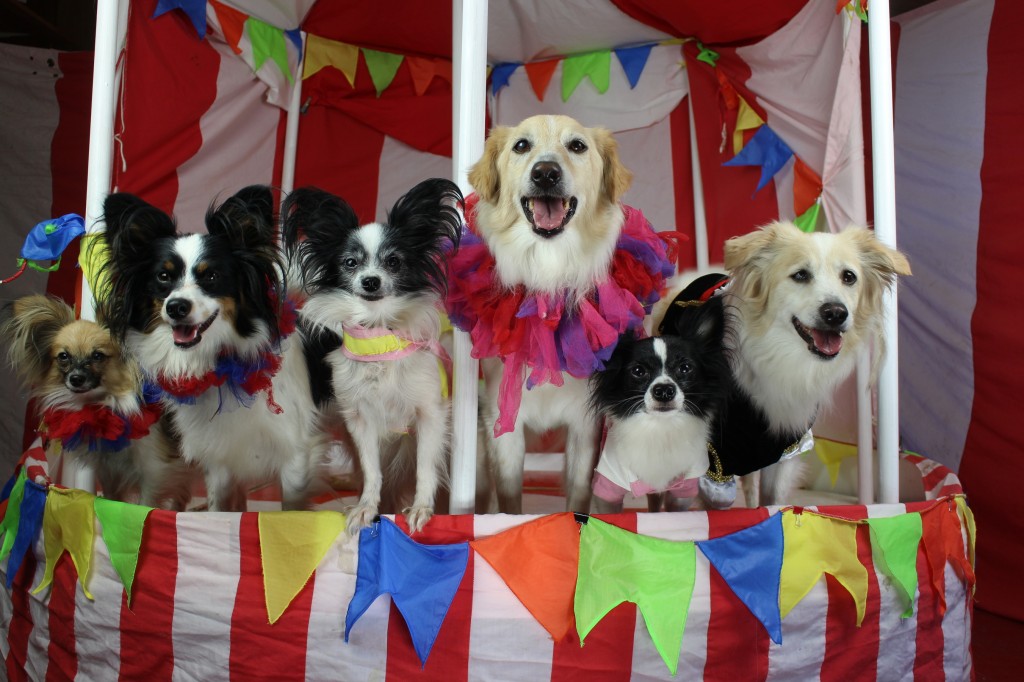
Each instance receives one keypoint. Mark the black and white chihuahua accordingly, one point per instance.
(659, 397)
(379, 287)
(206, 317)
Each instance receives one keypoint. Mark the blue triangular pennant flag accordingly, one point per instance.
(6, 492)
(29, 525)
(633, 60)
(421, 579)
(500, 75)
(194, 9)
(750, 561)
(48, 239)
(765, 149)
(295, 35)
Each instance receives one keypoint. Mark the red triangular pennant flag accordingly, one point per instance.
(539, 562)
(540, 74)
(806, 187)
(232, 23)
(943, 542)
(422, 70)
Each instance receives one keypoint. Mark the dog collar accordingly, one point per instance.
(98, 426)
(554, 334)
(377, 344)
(242, 378)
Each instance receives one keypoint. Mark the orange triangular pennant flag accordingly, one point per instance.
(944, 542)
(539, 562)
(806, 186)
(422, 70)
(232, 23)
(540, 74)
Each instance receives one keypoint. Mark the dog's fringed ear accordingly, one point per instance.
(615, 178)
(316, 225)
(484, 176)
(747, 258)
(132, 225)
(246, 218)
(28, 327)
(430, 225)
(879, 258)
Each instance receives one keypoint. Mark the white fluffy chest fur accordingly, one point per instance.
(252, 442)
(659, 447)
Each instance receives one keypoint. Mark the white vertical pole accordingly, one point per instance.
(865, 432)
(469, 97)
(884, 187)
(291, 130)
(101, 158)
(700, 223)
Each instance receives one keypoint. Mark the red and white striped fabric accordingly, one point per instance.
(198, 612)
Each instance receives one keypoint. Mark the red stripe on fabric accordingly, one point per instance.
(146, 628)
(682, 180)
(21, 624)
(934, 477)
(737, 643)
(851, 652)
(608, 654)
(252, 635)
(170, 81)
(928, 664)
(63, 661)
(325, 131)
(449, 658)
(991, 468)
(730, 203)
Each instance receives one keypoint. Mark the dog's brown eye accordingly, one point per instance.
(350, 262)
(392, 263)
(98, 356)
(801, 276)
(849, 277)
(577, 146)
(63, 356)
(638, 371)
(522, 146)
(163, 276)
(685, 367)
(210, 277)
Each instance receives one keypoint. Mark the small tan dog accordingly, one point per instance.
(549, 192)
(89, 397)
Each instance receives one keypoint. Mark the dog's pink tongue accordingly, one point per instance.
(827, 343)
(185, 333)
(548, 214)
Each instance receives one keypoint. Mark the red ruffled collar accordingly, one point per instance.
(98, 426)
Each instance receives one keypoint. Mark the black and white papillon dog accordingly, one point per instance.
(206, 317)
(659, 397)
(378, 288)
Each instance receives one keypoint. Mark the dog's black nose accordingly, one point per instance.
(178, 308)
(77, 378)
(546, 174)
(370, 284)
(663, 393)
(833, 314)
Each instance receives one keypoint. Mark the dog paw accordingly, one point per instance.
(359, 517)
(417, 517)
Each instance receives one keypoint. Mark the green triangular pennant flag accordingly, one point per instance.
(121, 527)
(894, 543)
(9, 525)
(808, 222)
(382, 66)
(596, 65)
(268, 41)
(657, 575)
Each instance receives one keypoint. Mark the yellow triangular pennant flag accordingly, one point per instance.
(832, 453)
(321, 52)
(746, 119)
(68, 524)
(813, 545)
(967, 517)
(292, 544)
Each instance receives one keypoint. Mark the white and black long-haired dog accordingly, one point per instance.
(659, 397)
(207, 319)
(379, 287)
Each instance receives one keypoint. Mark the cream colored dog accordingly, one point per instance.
(549, 213)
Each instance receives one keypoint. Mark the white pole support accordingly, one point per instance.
(700, 222)
(469, 97)
(109, 37)
(291, 130)
(865, 431)
(884, 188)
